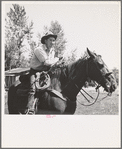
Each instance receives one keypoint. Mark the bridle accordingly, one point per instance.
(103, 77)
(97, 88)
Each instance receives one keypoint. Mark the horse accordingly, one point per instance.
(66, 83)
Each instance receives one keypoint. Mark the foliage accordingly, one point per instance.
(116, 74)
(16, 31)
(60, 42)
(24, 61)
(71, 56)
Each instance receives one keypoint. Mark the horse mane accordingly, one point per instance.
(64, 72)
(72, 66)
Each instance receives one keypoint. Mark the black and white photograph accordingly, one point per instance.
(61, 73)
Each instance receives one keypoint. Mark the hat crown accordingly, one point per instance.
(49, 33)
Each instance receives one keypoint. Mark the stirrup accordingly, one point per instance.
(30, 112)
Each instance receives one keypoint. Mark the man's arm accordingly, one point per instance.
(51, 62)
(43, 58)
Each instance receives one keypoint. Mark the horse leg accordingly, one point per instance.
(50, 104)
(64, 107)
(71, 107)
(58, 104)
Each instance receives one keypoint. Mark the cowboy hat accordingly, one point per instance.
(46, 36)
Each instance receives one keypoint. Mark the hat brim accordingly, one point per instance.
(46, 37)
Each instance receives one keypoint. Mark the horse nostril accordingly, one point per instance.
(113, 87)
(108, 74)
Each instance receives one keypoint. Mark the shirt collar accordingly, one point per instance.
(45, 48)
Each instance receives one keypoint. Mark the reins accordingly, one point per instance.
(92, 102)
(87, 98)
(97, 89)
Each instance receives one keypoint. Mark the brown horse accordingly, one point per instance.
(66, 82)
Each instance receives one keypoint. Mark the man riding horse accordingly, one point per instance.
(42, 60)
(63, 82)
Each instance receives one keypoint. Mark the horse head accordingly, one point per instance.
(98, 71)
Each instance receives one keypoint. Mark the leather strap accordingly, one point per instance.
(57, 93)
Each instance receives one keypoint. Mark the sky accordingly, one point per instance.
(95, 25)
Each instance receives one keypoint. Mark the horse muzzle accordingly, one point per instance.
(113, 87)
(111, 84)
(110, 87)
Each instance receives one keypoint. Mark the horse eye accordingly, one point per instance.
(100, 62)
(100, 65)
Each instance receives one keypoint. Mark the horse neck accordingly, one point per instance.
(78, 71)
(76, 79)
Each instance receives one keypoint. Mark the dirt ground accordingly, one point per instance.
(107, 106)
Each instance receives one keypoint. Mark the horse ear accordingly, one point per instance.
(91, 54)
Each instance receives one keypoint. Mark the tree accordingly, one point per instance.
(60, 44)
(71, 56)
(116, 74)
(16, 31)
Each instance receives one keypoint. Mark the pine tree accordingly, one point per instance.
(16, 31)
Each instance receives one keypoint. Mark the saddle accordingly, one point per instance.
(42, 83)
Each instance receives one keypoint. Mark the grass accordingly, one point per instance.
(107, 106)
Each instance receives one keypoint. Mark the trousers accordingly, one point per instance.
(32, 87)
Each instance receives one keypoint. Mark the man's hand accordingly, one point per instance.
(60, 58)
(62, 64)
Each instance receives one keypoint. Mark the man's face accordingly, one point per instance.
(49, 42)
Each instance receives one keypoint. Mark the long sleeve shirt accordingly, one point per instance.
(40, 58)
